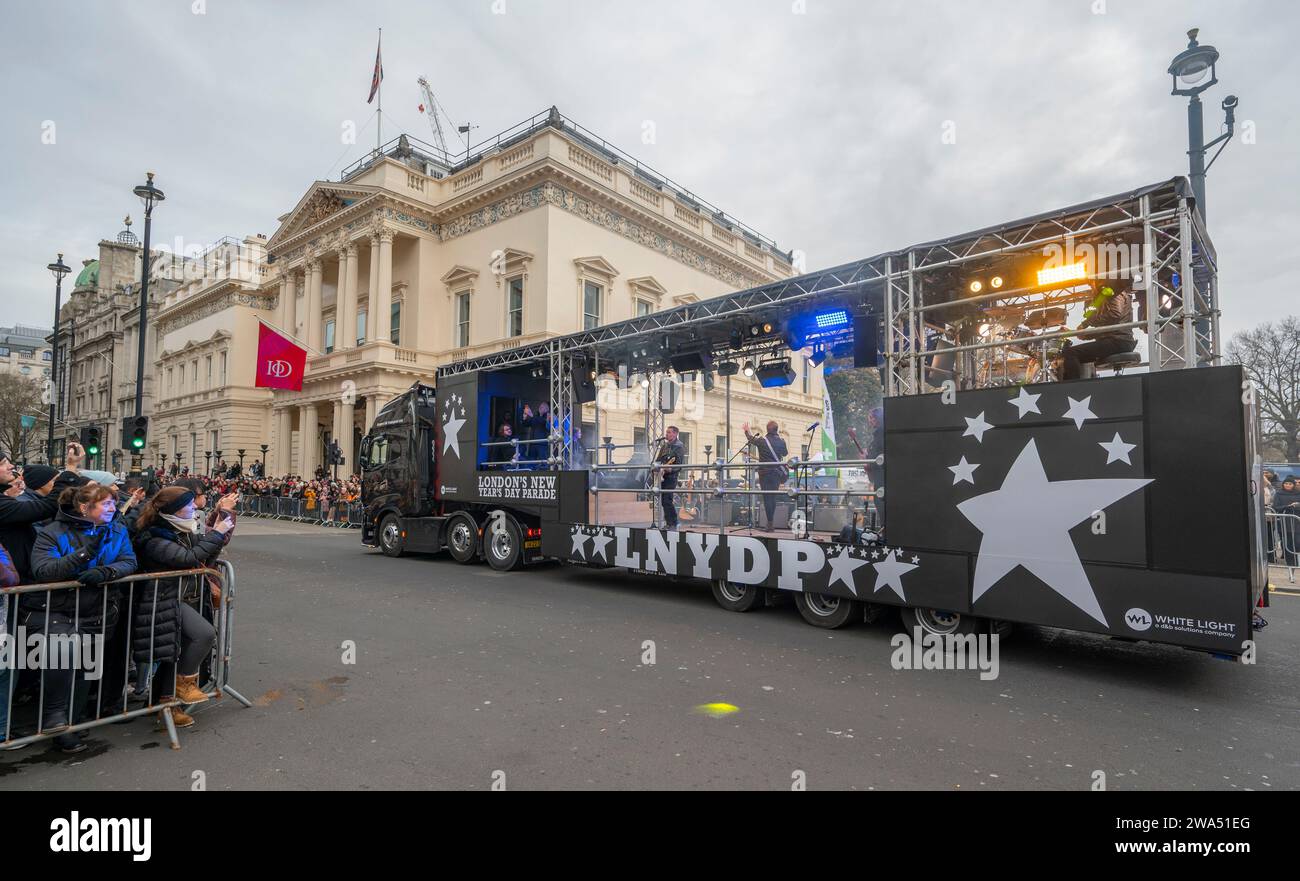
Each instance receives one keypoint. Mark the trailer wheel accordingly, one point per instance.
(504, 549)
(738, 597)
(462, 538)
(391, 541)
(941, 622)
(822, 610)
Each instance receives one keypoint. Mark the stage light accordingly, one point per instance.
(834, 318)
(995, 282)
(749, 368)
(728, 368)
(761, 329)
(774, 374)
(976, 286)
(818, 356)
(1054, 275)
(645, 382)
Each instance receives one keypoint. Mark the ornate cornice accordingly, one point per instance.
(213, 305)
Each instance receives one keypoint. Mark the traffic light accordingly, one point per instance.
(135, 433)
(90, 440)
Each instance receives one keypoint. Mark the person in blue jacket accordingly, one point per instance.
(84, 543)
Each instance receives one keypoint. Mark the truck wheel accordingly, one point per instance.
(390, 536)
(504, 549)
(738, 597)
(462, 538)
(941, 622)
(821, 610)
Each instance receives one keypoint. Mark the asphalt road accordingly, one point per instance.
(463, 676)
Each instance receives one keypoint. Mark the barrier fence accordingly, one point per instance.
(65, 643)
(1284, 542)
(345, 515)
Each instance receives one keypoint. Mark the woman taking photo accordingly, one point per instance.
(85, 543)
(164, 629)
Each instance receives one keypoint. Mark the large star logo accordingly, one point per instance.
(599, 542)
(842, 568)
(890, 572)
(579, 543)
(451, 425)
(1027, 522)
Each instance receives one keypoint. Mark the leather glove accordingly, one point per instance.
(95, 575)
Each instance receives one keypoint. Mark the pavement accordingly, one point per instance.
(415, 673)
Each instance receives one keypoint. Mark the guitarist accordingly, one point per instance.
(671, 453)
(772, 452)
(1111, 305)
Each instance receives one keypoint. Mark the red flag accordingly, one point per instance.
(378, 76)
(280, 361)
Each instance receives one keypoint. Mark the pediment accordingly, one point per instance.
(648, 286)
(321, 201)
(597, 265)
(459, 276)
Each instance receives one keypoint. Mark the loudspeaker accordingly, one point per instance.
(866, 341)
(584, 388)
(667, 394)
(686, 362)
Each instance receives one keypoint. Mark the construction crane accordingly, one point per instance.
(430, 106)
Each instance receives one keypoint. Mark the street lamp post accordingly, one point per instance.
(207, 467)
(241, 462)
(150, 196)
(265, 447)
(58, 269)
(1193, 71)
(217, 457)
(179, 457)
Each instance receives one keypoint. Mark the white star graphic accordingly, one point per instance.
(1117, 450)
(976, 427)
(1025, 403)
(890, 572)
(963, 470)
(842, 569)
(916, 559)
(1027, 522)
(1079, 411)
(599, 542)
(579, 543)
(451, 434)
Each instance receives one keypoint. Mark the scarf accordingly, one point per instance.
(191, 525)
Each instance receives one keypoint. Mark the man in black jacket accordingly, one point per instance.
(771, 448)
(21, 511)
(671, 454)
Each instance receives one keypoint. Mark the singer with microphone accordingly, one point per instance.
(771, 449)
(671, 454)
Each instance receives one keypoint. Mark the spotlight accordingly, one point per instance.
(707, 379)
(645, 382)
(728, 368)
(774, 374)
(995, 282)
(749, 368)
(976, 286)
(1054, 275)
(818, 356)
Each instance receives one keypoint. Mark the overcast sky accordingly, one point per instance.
(817, 123)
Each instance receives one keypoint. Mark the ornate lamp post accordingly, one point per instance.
(58, 269)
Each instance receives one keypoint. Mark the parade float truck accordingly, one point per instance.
(1125, 503)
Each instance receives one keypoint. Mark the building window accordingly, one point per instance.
(207, 370)
(462, 318)
(807, 377)
(194, 373)
(329, 335)
(720, 450)
(223, 369)
(643, 308)
(45, 355)
(24, 370)
(395, 328)
(170, 379)
(592, 294)
(515, 306)
(361, 328)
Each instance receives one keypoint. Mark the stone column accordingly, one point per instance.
(288, 296)
(307, 440)
(383, 303)
(345, 436)
(313, 335)
(284, 441)
(371, 329)
(372, 407)
(345, 336)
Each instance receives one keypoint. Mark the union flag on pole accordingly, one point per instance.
(378, 76)
(280, 361)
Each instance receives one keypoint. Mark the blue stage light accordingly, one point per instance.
(828, 320)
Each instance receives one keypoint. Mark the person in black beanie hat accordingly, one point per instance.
(21, 511)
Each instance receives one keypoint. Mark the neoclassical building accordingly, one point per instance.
(411, 260)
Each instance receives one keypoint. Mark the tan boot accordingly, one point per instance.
(180, 719)
(187, 690)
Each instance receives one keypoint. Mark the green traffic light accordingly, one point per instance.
(93, 450)
(137, 442)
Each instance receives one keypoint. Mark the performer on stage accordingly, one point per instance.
(771, 448)
(671, 453)
(1112, 305)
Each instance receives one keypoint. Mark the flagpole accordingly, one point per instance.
(379, 128)
(288, 335)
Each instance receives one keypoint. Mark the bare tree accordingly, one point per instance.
(1271, 355)
(21, 396)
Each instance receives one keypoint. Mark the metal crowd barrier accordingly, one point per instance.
(800, 492)
(344, 515)
(1284, 541)
(64, 637)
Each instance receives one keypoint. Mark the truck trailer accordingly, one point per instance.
(1123, 502)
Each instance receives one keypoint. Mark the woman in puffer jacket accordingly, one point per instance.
(165, 629)
(84, 542)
